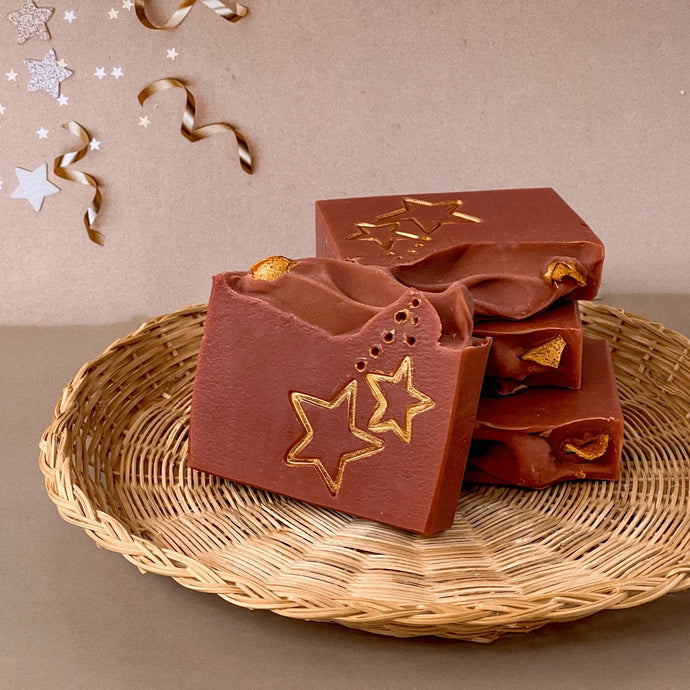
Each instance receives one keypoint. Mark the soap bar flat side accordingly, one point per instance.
(375, 421)
(547, 435)
(543, 350)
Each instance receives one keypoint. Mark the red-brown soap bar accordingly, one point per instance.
(517, 250)
(544, 350)
(548, 435)
(333, 384)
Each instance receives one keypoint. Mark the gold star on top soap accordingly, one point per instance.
(517, 250)
(332, 383)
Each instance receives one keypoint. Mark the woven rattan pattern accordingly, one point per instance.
(514, 560)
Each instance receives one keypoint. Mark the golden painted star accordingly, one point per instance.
(377, 423)
(347, 395)
(383, 234)
(31, 21)
(429, 216)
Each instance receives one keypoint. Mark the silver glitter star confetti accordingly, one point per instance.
(46, 74)
(31, 21)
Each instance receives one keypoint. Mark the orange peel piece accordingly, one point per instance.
(271, 268)
(587, 450)
(557, 271)
(547, 354)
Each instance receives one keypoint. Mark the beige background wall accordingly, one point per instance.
(336, 99)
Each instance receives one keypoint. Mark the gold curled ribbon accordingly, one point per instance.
(60, 169)
(200, 133)
(180, 14)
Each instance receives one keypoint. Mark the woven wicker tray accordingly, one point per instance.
(114, 461)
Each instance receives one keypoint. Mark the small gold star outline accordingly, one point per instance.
(346, 394)
(383, 234)
(377, 423)
(390, 222)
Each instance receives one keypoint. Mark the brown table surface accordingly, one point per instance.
(74, 616)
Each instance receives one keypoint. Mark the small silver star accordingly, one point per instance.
(11, 75)
(46, 74)
(34, 186)
(100, 72)
(95, 145)
(172, 54)
(31, 21)
(69, 16)
(63, 100)
(144, 121)
(117, 72)
(113, 13)
(42, 133)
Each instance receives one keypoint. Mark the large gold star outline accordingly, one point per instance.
(347, 394)
(386, 230)
(377, 423)
(451, 208)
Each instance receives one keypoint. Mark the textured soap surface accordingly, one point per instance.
(336, 385)
(543, 350)
(517, 250)
(546, 435)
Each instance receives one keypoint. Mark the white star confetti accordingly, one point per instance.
(42, 133)
(100, 72)
(69, 16)
(127, 5)
(172, 54)
(34, 186)
(63, 100)
(31, 21)
(95, 145)
(11, 75)
(144, 121)
(117, 72)
(61, 63)
(2, 109)
(113, 13)
(46, 74)
(0, 184)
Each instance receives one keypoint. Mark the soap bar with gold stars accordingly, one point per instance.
(544, 350)
(547, 435)
(332, 383)
(517, 250)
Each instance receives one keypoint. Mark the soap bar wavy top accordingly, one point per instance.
(517, 250)
(334, 384)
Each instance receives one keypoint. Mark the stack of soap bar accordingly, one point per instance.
(517, 250)
(331, 382)
(526, 258)
(547, 435)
